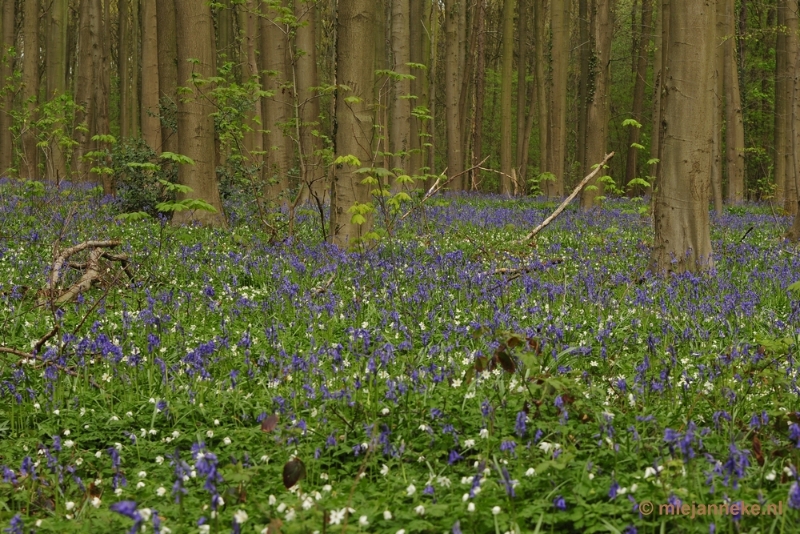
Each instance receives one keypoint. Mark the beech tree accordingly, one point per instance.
(355, 117)
(506, 146)
(682, 235)
(455, 158)
(597, 109)
(6, 97)
(30, 87)
(195, 39)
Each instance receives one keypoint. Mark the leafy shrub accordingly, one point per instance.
(137, 177)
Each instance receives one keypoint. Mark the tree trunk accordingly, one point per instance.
(84, 87)
(151, 127)
(655, 145)
(30, 90)
(253, 139)
(56, 78)
(716, 143)
(227, 50)
(523, 14)
(419, 85)
(7, 99)
(506, 142)
(480, 92)
(583, 82)
(354, 117)
(794, 232)
(558, 95)
(167, 71)
(642, 51)
(276, 110)
(308, 102)
(432, 48)
(543, 109)
(195, 39)
(790, 203)
(102, 58)
(598, 106)
(400, 122)
(681, 219)
(123, 68)
(455, 158)
(782, 109)
(734, 130)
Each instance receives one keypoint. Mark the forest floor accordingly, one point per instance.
(444, 380)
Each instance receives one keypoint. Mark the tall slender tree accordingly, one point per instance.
(251, 46)
(682, 236)
(523, 16)
(195, 40)
(276, 109)
(641, 48)
(480, 91)
(734, 129)
(455, 157)
(355, 119)
(56, 80)
(784, 103)
(400, 122)
(30, 89)
(151, 126)
(85, 76)
(167, 73)
(598, 94)
(307, 101)
(6, 97)
(543, 108)
(506, 146)
(782, 108)
(558, 95)
(419, 85)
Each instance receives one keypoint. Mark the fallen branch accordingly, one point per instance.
(567, 200)
(91, 269)
(62, 258)
(322, 289)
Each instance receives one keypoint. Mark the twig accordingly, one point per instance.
(567, 200)
(322, 289)
(745, 234)
(435, 188)
(39, 344)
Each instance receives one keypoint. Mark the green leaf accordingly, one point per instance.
(631, 122)
(795, 288)
(637, 145)
(177, 158)
(358, 219)
(134, 216)
(347, 160)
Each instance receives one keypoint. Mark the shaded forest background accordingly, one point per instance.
(532, 93)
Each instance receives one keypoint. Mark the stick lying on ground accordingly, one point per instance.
(91, 268)
(567, 200)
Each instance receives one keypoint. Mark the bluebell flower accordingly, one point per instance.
(16, 525)
(612, 492)
(521, 425)
(794, 496)
(559, 503)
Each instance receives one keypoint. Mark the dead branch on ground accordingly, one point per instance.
(91, 269)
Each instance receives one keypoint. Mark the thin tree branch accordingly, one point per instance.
(567, 200)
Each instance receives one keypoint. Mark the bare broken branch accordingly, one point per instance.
(567, 200)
